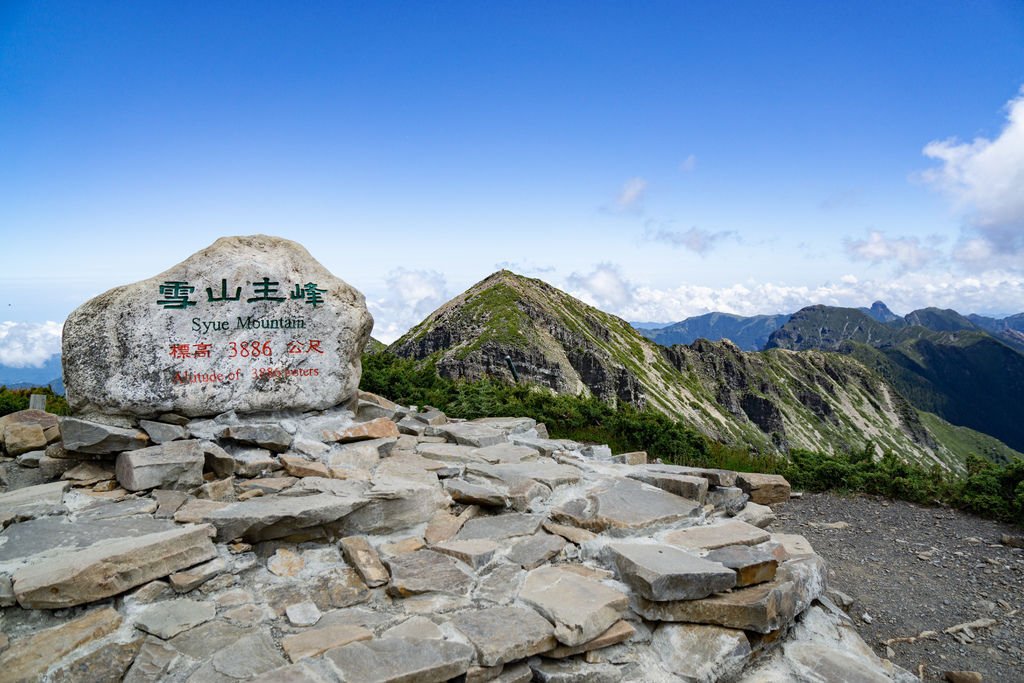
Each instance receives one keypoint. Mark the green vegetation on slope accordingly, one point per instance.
(13, 400)
(964, 441)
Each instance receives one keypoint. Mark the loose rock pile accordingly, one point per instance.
(394, 544)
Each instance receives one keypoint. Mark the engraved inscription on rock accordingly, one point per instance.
(247, 324)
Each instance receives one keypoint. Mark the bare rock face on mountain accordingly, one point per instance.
(247, 324)
(516, 328)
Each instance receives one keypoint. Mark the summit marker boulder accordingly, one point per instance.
(247, 324)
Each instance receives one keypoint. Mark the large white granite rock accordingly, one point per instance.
(248, 324)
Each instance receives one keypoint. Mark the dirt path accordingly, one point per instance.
(911, 569)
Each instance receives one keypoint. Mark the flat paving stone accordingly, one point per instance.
(543, 471)
(500, 584)
(193, 577)
(203, 641)
(109, 567)
(505, 634)
(168, 619)
(469, 493)
(573, 671)
(476, 552)
(663, 572)
(32, 501)
(498, 527)
(293, 673)
(400, 660)
(415, 627)
(449, 452)
(713, 536)
(795, 545)
(580, 608)
(151, 662)
(57, 535)
(248, 657)
(472, 434)
(427, 571)
(533, 551)
(624, 504)
(270, 517)
(316, 641)
(304, 613)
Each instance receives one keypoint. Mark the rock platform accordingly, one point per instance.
(384, 543)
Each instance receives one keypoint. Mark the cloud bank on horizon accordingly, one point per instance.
(28, 345)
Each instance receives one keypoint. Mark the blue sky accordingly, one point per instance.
(659, 160)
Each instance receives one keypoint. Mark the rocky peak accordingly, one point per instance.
(508, 326)
(880, 312)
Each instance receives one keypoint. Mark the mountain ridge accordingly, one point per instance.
(752, 333)
(958, 371)
(770, 401)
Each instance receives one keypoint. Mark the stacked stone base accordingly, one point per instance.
(392, 544)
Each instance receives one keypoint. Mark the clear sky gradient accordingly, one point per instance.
(659, 160)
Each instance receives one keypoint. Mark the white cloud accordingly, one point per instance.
(688, 164)
(990, 292)
(695, 240)
(908, 253)
(630, 196)
(24, 345)
(410, 297)
(985, 180)
(603, 287)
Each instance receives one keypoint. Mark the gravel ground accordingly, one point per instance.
(912, 569)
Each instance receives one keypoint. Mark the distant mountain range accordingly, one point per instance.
(50, 374)
(751, 333)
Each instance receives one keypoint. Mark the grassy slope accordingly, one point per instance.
(964, 441)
